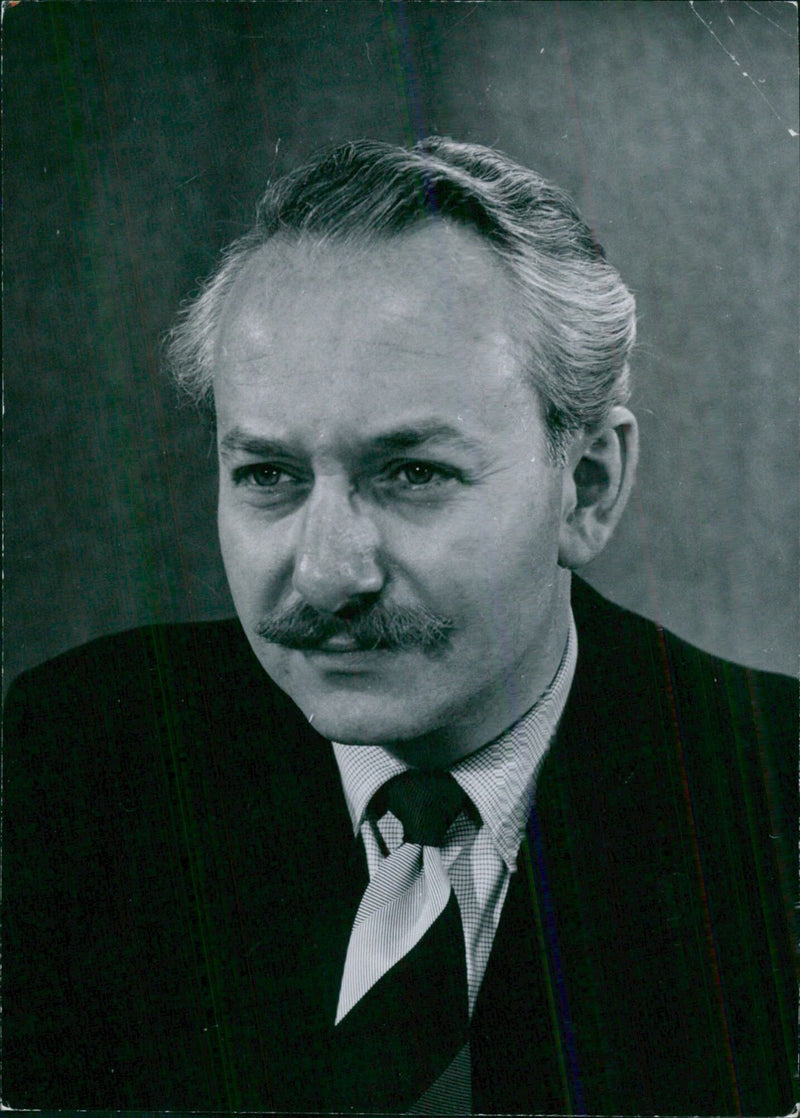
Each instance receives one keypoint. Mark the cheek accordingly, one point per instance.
(514, 540)
(229, 538)
(489, 565)
(258, 561)
(242, 558)
(515, 572)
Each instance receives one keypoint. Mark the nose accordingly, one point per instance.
(337, 559)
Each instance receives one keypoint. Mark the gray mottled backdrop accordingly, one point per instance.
(137, 139)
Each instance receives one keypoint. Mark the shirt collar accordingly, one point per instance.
(500, 778)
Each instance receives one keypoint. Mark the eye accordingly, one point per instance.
(419, 473)
(263, 475)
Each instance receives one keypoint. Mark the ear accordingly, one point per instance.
(598, 480)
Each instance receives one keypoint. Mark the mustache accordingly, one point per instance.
(376, 628)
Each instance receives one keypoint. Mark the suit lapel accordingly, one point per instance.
(604, 954)
(325, 876)
(548, 977)
(276, 877)
(526, 991)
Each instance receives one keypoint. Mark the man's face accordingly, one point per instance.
(388, 514)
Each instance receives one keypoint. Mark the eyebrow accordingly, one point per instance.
(240, 440)
(409, 438)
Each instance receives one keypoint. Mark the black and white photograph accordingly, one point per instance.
(400, 557)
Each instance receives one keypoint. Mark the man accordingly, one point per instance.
(432, 827)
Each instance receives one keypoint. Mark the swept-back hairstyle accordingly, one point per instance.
(576, 318)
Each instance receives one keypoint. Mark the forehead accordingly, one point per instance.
(419, 320)
(437, 248)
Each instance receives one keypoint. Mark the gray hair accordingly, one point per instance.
(577, 325)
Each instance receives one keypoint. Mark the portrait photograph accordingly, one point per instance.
(400, 557)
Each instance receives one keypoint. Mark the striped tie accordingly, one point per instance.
(402, 1019)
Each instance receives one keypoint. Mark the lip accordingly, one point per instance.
(344, 653)
(338, 645)
(345, 661)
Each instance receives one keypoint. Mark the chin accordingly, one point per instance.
(362, 705)
(360, 723)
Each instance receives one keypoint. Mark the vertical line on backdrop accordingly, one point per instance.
(406, 73)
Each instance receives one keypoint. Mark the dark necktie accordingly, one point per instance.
(402, 1025)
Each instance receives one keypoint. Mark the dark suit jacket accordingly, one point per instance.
(181, 877)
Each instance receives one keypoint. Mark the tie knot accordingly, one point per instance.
(426, 803)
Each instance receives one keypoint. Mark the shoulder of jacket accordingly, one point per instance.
(178, 658)
(620, 630)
